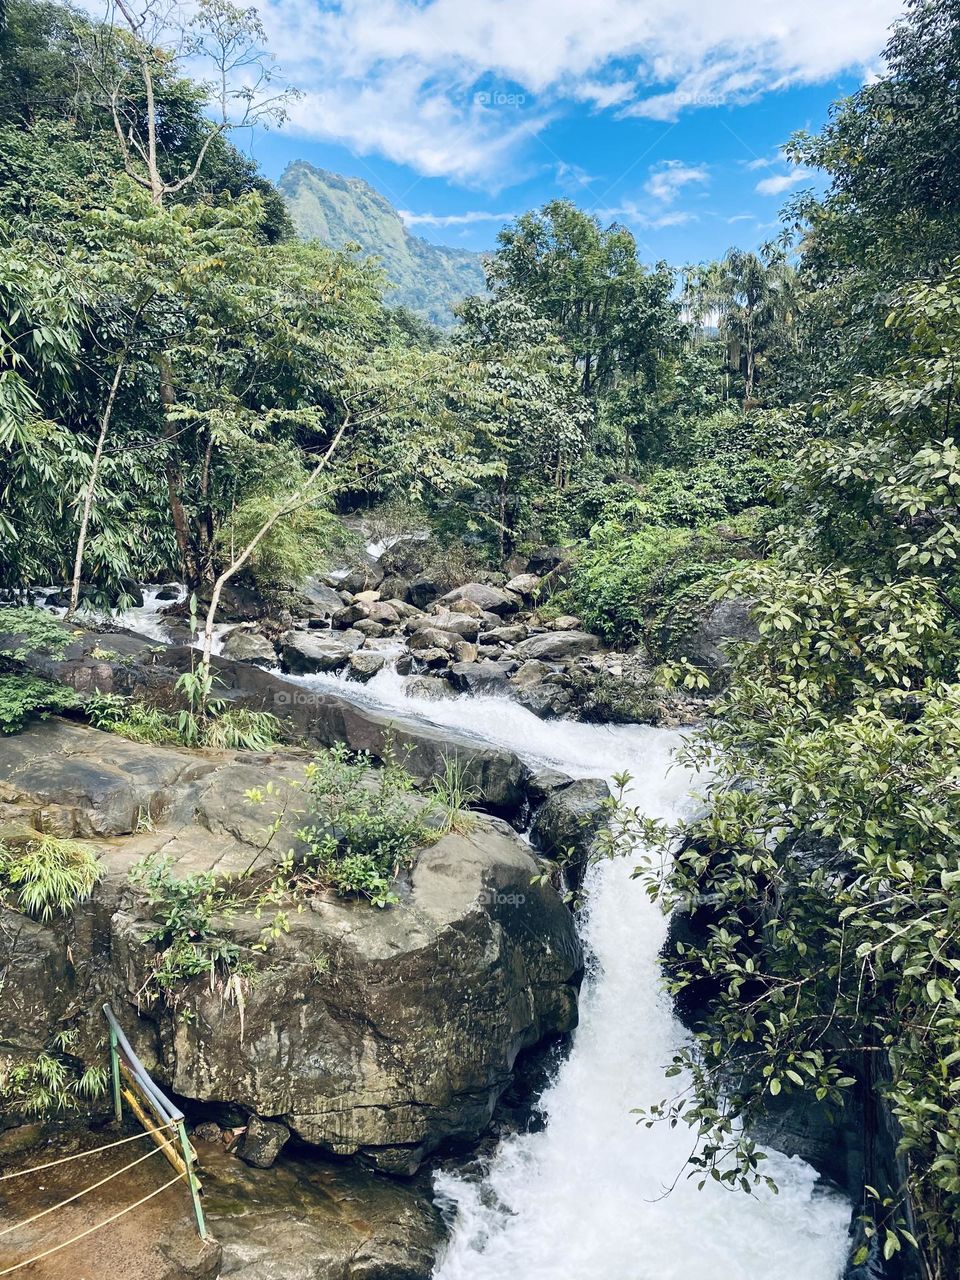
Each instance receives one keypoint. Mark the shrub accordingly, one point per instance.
(53, 1080)
(35, 630)
(222, 727)
(362, 827)
(49, 876)
(24, 697)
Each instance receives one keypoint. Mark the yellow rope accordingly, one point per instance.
(22, 1173)
(70, 1199)
(38, 1257)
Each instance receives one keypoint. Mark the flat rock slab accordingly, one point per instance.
(316, 1220)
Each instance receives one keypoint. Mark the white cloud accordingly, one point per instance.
(639, 215)
(452, 219)
(401, 78)
(668, 177)
(778, 183)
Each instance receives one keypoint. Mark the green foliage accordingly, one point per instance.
(219, 726)
(188, 915)
(52, 1081)
(23, 697)
(48, 876)
(27, 631)
(363, 825)
(654, 583)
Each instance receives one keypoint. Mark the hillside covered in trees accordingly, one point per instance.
(427, 279)
(190, 393)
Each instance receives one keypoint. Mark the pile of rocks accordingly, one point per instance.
(481, 637)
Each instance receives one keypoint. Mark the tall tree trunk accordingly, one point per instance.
(91, 487)
(181, 526)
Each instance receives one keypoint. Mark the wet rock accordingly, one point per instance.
(306, 651)
(423, 590)
(480, 677)
(317, 600)
(726, 623)
(373, 630)
(168, 594)
(364, 664)
(431, 687)
(566, 824)
(490, 599)
(554, 645)
(432, 658)
(310, 1219)
(249, 646)
(263, 1142)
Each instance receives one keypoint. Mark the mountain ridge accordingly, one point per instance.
(426, 278)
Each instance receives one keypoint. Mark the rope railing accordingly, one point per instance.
(82, 1235)
(78, 1195)
(79, 1155)
(162, 1122)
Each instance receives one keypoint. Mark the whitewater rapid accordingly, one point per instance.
(588, 1197)
(585, 1197)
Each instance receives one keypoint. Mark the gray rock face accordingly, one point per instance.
(432, 638)
(423, 590)
(306, 651)
(263, 1142)
(555, 645)
(449, 620)
(727, 623)
(363, 577)
(249, 646)
(480, 677)
(570, 818)
(524, 584)
(364, 664)
(490, 599)
(317, 1220)
(319, 600)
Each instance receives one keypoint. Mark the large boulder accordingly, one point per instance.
(725, 624)
(490, 599)
(553, 646)
(481, 677)
(249, 646)
(317, 600)
(306, 651)
(346, 1035)
(263, 1141)
(423, 590)
(449, 620)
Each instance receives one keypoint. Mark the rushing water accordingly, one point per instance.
(587, 1197)
(583, 1199)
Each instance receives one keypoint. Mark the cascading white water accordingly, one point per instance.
(584, 1199)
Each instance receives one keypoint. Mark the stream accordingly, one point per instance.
(588, 1197)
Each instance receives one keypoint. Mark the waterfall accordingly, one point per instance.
(587, 1198)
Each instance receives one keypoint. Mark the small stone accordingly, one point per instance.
(263, 1142)
(432, 638)
(566, 622)
(367, 597)
(464, 651)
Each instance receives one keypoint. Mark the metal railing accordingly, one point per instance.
(161, 1119)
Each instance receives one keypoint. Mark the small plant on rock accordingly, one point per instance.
(48, 876)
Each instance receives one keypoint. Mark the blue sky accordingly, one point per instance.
(666, 115)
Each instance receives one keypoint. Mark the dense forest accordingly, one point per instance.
(188, 392)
